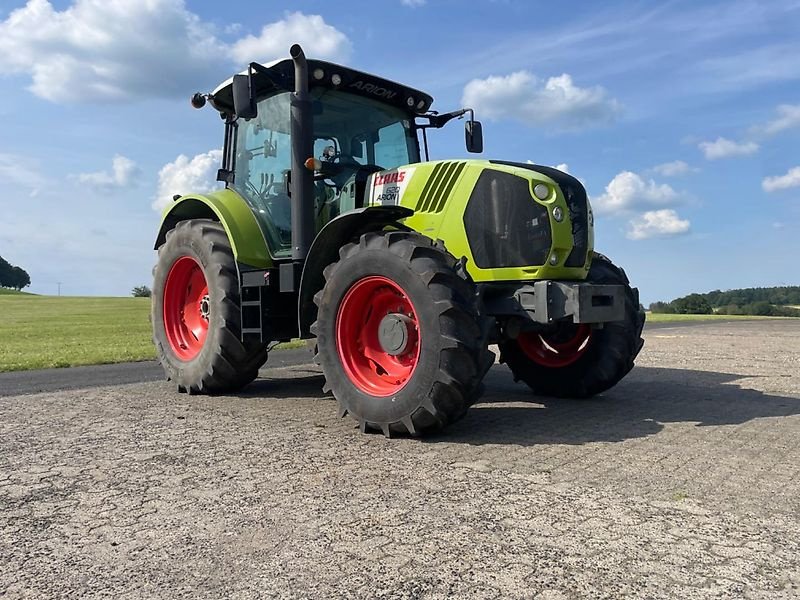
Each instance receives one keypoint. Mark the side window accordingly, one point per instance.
(263, 157)
(391, 149)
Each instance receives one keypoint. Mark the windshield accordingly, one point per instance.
(358, 134)
(361, 130)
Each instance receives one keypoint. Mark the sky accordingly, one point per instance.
(682, 119)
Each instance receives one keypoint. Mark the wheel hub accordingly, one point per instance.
(393, 333)
(377, 336)
(205, 307)
(560, 348)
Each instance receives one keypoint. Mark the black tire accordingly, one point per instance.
(224, 363)
(608, 356)
(452, 356)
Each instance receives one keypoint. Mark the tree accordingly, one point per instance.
(662, 307)
(141, 291)
(19, 278)
(693, 304)
(5, 273)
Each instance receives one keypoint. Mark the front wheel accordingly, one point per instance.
(196, 314)
(573, 360)
(398, 334)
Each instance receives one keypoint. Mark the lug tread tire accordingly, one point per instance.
(610, 357)
(463, 352)
(225, 364)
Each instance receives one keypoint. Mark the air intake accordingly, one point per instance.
(441, 182)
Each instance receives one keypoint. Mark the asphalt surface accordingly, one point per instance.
(681, 482)
(53, 380)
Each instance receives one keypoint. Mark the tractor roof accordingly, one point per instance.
(279, 75)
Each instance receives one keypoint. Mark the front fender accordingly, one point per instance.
(231, 210)
(325, 250)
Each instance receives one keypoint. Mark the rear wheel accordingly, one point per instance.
(398, 334)
(574, 360)
(195, 312)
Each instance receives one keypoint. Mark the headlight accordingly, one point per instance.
(541, 191)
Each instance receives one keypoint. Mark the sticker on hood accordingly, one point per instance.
(387, 187)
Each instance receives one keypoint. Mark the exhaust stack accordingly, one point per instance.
(302, 183)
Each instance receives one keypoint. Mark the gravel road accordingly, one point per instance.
(682, 482)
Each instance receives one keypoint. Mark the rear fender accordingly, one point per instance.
(325, 250)
(230, 209)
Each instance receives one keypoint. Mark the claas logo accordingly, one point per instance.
(395, 177)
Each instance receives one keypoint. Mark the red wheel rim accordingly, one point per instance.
(368, 366)
(186, 308)
(558, 349)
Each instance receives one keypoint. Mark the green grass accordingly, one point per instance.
(664, 318)
(39, 332)
(8, 292)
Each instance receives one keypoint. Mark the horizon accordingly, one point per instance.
(682, 121)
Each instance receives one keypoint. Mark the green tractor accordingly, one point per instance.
(401, 272)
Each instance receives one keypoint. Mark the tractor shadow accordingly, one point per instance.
(304, 382)
(638, 407)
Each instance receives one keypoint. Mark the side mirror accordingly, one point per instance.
(243, 103)
(474, 136)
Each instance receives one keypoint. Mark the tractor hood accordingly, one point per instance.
(487, 211)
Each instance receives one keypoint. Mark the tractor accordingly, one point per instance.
(401, 272)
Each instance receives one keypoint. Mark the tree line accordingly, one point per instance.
(12, 276)
(768, 301)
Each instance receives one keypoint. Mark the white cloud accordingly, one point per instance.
(101, 51)
(723, 148)
(657, 223)
(185, 175)
(629, 191)
(123, 174)
(788, 117)
(782, 182)
(318, 39)
(672, 169)
(556, 103)
(413, 3)
(19, 171)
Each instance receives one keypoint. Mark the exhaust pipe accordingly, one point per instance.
(302, 185)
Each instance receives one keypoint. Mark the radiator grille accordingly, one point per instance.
(505, 226)
(575, 195)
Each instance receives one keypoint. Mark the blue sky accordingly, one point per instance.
(681, 118)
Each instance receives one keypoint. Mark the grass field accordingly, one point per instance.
(8, 292)
(663, 318)
(37, 332)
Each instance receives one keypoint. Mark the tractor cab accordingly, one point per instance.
(360, 124)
